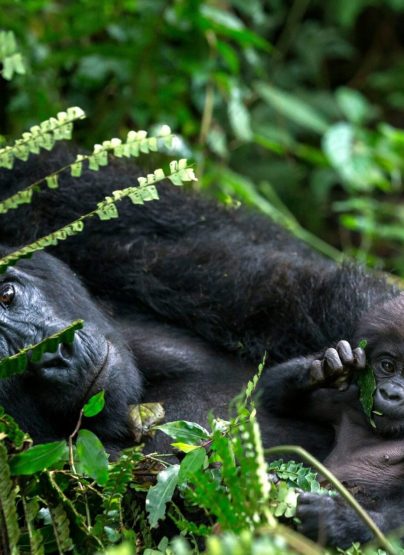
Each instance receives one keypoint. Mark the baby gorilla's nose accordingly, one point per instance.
(392, 392)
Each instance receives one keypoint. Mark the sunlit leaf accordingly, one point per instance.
(183, 431)
(95, 404)
(159, 495)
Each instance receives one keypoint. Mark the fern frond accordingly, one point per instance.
(15, 364)
(10, 57)
(10, 531)
(40, 136)
(31, 509)
(180, 172)
(136, 142)
(61, 528)
(119, 478)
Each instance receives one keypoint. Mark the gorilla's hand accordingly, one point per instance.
(329, 520)
(335, 368)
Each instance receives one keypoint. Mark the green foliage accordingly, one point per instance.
(38, 458)
(8, 494)
(91, 457)
(136, 142)
(161, 493)
(282, 85)
(40, 136)
(185, 432)
(179, 173)
(10, 57)
(367, 386)
(89, 504)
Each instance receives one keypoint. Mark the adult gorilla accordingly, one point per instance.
(201, 292)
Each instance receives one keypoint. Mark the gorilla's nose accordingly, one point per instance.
(392, 392)
(61, 357)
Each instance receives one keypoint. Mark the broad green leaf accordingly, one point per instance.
(185, 432)
(160, 494)
(95, 404)
(292, 107)
(192, 462)
(38, 458)
(92, 458)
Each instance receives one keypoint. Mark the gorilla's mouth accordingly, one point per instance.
(388, 426)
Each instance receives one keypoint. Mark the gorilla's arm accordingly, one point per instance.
(308, 386)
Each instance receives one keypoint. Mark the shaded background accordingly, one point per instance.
(295, 107)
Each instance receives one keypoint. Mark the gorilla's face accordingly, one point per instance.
(39, 297)
(383, 328)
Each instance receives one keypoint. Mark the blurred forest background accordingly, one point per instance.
(295, 106)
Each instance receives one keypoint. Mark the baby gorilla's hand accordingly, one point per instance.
(335, 368)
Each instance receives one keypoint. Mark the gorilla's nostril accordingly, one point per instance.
(65, 350)
(390, 394)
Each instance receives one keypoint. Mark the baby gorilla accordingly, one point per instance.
(320, 387)
(39, 297)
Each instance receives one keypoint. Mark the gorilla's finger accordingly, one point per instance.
(345, 352)
(332, 359)
(359, 357)
(316, 372)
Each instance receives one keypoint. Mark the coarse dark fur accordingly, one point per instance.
(198, 294)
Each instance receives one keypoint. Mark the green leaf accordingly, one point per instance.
(95, 404)
(292, 108)
(354, 105)
(92, 458)
(38, 458)
(239, 116)
(185, 432)
(367, 387)
(192, 462)
(160, 494)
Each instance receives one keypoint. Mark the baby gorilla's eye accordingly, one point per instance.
(7, 293)
(387, 365)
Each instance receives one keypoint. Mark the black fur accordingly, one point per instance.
(200, 293)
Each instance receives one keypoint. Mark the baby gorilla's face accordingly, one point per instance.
(383, 328)
(38, 298)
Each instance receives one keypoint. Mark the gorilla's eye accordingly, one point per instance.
(387, 365)
(7, 293)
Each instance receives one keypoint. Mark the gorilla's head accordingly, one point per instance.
(383, 329)
(38, 297)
